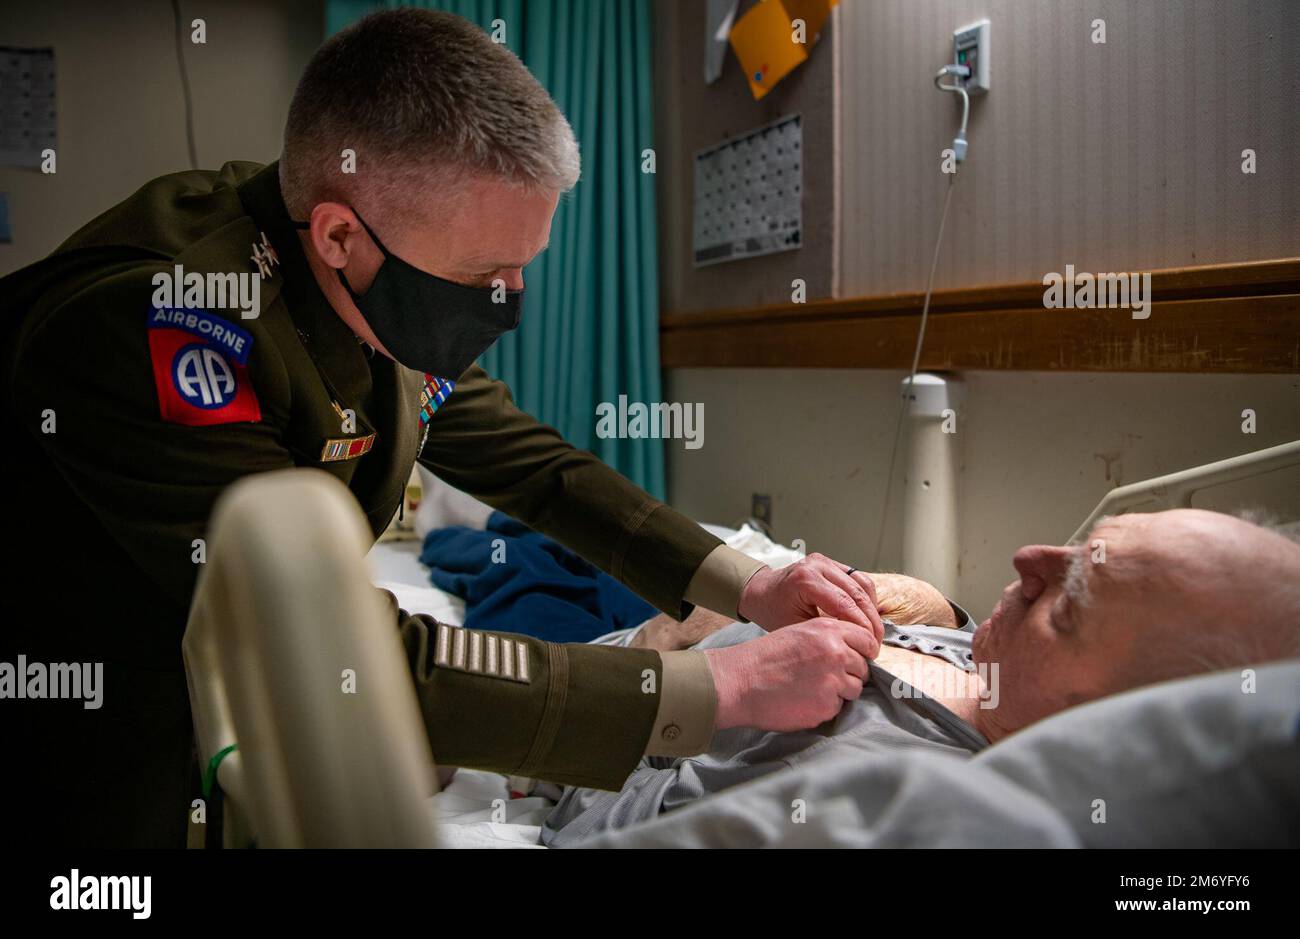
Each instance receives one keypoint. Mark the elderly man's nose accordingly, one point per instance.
(1031, 587)
(1037, 566)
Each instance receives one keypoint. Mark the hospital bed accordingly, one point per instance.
(1175, 490)
(284, 618)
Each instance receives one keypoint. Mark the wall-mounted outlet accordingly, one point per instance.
(970, 46)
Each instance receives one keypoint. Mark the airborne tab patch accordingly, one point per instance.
(200, 368)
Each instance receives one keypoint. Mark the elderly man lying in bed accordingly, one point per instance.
(1145, 599)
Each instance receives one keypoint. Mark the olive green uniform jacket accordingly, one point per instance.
(115, 493)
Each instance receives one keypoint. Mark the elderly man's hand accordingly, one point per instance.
(808, 588)
(908, 601)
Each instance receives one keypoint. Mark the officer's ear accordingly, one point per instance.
(336, 234)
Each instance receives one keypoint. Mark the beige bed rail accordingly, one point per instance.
(1176, 489)
(291, 653)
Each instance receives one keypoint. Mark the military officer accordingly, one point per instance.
(222, 323)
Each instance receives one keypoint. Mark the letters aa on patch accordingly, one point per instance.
(200, 368)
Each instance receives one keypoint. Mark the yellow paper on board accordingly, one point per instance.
(763, 42)
(766, 42)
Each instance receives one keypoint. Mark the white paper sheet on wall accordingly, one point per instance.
(720, 16)
(27, 111)
(749, 194)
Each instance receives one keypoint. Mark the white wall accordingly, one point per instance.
(120, 111)
(1122, 156)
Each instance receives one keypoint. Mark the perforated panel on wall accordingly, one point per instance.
(749, 194)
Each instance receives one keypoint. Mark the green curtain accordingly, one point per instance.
(590, 327)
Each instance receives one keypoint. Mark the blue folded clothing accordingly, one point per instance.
(514, 580)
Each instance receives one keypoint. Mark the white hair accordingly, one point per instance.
(1076, 574)
(1271, 521)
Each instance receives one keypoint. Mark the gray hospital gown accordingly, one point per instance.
(877, 722)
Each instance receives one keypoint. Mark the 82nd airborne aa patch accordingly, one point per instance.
(200, 368)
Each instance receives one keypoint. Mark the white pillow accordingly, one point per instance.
(1198, 762)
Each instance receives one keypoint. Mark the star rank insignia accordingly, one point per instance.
(436, 391)
(264, 256)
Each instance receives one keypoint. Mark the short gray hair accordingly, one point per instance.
(424, 98)
(1269, 520)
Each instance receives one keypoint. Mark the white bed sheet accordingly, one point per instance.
(395, 566)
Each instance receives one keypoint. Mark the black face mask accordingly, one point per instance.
(429, 324)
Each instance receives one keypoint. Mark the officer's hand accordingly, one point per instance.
(794, 678)
(811, 587)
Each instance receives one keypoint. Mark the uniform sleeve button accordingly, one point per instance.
(671, 732)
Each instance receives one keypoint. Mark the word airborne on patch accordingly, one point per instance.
(227, 337)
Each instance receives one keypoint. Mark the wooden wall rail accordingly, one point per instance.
(1216, 318)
